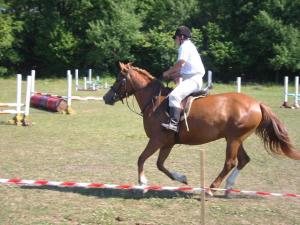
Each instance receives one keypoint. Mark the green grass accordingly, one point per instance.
(101, 143)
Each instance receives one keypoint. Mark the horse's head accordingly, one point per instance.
(122, 87)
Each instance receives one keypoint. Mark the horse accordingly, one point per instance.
(235, 117)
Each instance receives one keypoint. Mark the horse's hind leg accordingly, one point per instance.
(230, 161)
(243, 159)
(163, 155)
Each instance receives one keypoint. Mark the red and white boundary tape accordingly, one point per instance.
(137, 187)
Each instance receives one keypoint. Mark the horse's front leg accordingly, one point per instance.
(150, 149)
(163, 155)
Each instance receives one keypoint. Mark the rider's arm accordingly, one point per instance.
(174, 71)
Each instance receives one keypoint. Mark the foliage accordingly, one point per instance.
(111, 38)
(259, 39)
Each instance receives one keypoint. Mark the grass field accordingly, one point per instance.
(101, 143)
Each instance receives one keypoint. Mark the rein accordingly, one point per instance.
(132, 109)
(154, 85)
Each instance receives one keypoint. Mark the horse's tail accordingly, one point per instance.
(274, 135)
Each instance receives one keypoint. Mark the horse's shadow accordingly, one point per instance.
(138, 194)
(118, 193)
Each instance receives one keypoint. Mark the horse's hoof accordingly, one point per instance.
(227, 194)
(209, 193)
(143, 181)
(179, 177)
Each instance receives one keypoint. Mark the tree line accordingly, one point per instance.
(256, 39)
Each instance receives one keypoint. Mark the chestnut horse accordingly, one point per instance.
(233, 116)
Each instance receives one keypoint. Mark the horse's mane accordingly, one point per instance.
(154, 82)
(144, 72)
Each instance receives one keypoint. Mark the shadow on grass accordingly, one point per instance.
(139, 194)
(118, 193)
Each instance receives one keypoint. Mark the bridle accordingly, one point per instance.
(126, 94)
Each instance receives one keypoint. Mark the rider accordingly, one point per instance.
(190, 68)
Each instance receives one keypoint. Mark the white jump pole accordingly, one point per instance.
(239, 81)
(19, 94)
(32, 82)
(76, 80)
(85, 83)
(286, 90)
(209, 78)
(90, 76)
(28, 95)
(69, 95)
(296, 105)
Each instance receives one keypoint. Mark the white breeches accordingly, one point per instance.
(185, 88)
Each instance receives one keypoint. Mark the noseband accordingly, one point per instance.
(117, 93)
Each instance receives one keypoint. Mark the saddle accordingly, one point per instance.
(187, 102)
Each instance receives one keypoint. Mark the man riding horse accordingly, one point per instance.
(190, 68)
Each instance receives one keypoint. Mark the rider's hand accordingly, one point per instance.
(166, 76)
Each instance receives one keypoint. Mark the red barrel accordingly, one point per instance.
(48, 102)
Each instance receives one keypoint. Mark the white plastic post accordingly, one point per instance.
(238, 81)
(97, 79)
(85, 86)
(32, 82)
(90, 76)
(19, 93)
(209, 78)
(296, 105)
(76, 80)
(28, 95)
(69, 95)
(286, 89)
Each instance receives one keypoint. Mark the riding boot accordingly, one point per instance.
(173, 122)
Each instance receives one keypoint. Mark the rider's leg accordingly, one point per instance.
(184, 89)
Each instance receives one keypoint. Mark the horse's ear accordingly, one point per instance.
(121, 65)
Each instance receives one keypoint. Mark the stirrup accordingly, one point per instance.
(170, 126)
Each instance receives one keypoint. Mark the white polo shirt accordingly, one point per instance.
(193, 63)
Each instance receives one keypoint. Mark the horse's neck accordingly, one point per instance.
(145, 96)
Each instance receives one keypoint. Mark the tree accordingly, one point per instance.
(8, 55)
(111, 37)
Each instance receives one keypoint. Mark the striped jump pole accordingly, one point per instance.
(65, 184)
